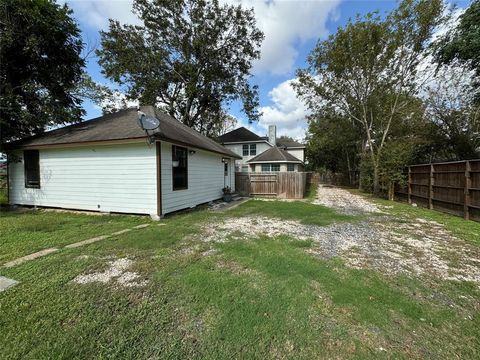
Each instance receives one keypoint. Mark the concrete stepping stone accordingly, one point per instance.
(6, 283)
(30, 257)
(88, 241)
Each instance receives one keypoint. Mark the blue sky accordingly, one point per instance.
(291, 27)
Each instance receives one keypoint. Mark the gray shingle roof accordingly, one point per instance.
(240, 134)
(288, 143)
(123, 125)
(274, 154)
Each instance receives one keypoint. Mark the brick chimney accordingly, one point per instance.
(272, 135)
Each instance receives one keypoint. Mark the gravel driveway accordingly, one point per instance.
(389, 244)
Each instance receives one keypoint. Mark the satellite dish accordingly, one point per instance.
(147, 122)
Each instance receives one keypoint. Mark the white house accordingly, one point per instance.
(264, 154)
(108, 164)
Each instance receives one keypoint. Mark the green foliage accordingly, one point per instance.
(40, 67)
(334, 144)
(189, 57)
(463, 42)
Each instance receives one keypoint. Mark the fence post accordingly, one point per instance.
(409, 185)
(466, 201)
(430, 188)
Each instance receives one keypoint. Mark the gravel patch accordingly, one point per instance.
(116, 272)
(344, 201)
(417, 247)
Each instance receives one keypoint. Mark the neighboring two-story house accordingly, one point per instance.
(264, 154)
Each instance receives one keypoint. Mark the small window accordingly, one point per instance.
(290, 167)
(265, 167)
(179, 168)
(275, 167)
(225, 169)
(253, 149)
(32, 168)
(245, 150)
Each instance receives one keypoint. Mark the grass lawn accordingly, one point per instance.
(22, 234)
(257, 297)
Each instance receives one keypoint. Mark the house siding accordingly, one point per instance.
(298, 153)
(238, 149)
(205, 179)
(113, 178)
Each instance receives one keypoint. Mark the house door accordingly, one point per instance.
(227, 173)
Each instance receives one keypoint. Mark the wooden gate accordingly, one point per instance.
(264, 184)
(290, 185)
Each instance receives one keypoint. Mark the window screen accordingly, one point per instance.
(245, 150)
(290, 167)
(253, 149)
(180, 168)
(32, 168)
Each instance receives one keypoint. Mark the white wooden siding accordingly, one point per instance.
(111, 178)
(205, 179)
(238, 149)
(298, 153)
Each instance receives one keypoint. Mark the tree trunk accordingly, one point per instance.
(376, 179)
(391, 191)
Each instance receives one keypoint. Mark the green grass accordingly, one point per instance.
(303, 212)
(22, 234)
(311, 193)
(256, 298)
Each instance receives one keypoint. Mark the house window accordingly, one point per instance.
(179, 168)
(290, 167)
(225, 169)
(32, 168)
(270, 167)
(249, 149)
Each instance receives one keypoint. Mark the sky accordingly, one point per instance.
(291, 28)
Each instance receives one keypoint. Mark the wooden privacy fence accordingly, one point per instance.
(289, 185)
(452, 187)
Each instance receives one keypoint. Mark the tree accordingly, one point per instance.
(462, 43)
(190, 57)
(334, 144)
(41, 66)
(367, 71)
(454, 113)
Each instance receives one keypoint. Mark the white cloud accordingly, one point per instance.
(287, 112)
(285, 23)
(96, 13)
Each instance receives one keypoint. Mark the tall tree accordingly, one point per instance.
(190, 57)
(40, 67)
(367, 71)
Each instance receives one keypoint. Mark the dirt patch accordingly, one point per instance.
(344, 201)
(116, 272)
(418, 247)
